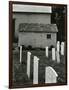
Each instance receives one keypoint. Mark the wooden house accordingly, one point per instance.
(37, 35)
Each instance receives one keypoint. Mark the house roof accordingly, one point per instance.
(35, 27)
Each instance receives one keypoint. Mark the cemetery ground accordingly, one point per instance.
(20, 70)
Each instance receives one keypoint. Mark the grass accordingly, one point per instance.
(19, 70)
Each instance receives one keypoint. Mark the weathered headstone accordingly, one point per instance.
(35, 70)
(53, 54)
(58, 46)
(62, 48)
(20, 54)
(28, 63)
(58, 57)
(50, 75)
(46, 51)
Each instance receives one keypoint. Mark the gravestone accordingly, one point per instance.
(62, 48)
(46, 51)
(58, 46)
(58, 57)
(20, 54)
(35, 70)
(53, 54)
(50, 75)
(28, 63)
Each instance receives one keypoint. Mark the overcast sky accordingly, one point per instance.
(31, 8)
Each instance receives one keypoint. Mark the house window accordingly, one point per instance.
(48, 36)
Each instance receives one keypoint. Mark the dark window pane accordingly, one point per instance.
(48, 36)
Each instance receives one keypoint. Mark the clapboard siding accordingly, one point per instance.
(36, 39)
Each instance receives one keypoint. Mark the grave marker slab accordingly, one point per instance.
(28, 63)
(35, 70)
(62, 48)
(58, 57)
(50, 75)
(58, 46)
(53, 54)
(46, 51)
(20, 54)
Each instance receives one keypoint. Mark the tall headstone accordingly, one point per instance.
(50, 75)
(58, 46)
(53, 54)
(58, 57)
(62, 48)
(20, 54)
(46, 51)
(28, 63)
(35, 70)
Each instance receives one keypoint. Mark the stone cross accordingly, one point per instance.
(53, 54)
(28, 63)
(50, 75)
(35, 70)
(20, 54)
(62, 48)
(46, 51)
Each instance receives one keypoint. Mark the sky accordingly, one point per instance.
(31, 8)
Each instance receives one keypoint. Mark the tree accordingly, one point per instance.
(58, 18)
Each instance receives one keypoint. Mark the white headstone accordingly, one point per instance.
(35, 70)
(62, 48)
(58, 46)
(46, 51)
(58, 57)
(20, 54)
(50, 75)
(28, 63)
(53, 54)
